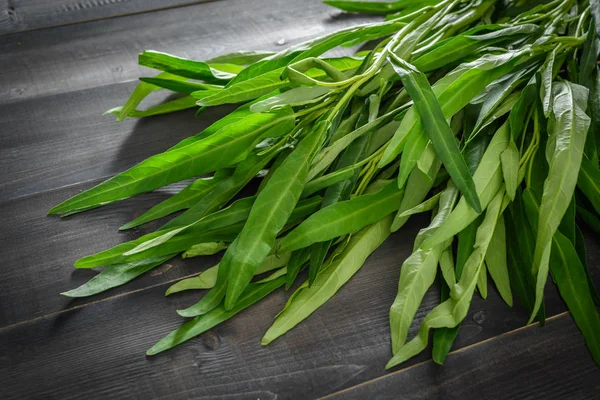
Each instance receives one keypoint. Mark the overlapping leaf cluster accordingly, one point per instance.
(484, 112)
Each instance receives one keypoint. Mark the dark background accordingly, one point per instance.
(62, 64)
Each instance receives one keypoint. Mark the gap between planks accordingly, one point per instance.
(78, 307)
(468, 347)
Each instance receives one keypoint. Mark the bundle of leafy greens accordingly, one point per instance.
(484, 112)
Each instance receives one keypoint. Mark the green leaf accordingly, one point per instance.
(269, 214)
(182, 103)
(589, 57)
(202, 323)
(443, 338)
(419, 183)
(208, 278)
(510, 159)
(589, 182)
(315, 47)
(376, 7)
(569, 275)
(294, 97)
(497, 264)
(520, 247)
(183, 67)
(140, 92)
(425, 206)
(180, 86)
(229, 145)
(189, 196)
(497, 92)
(468, 43)
(453, 93)
(487, 178)
(116, 275)
(222, 192)
(205, 280)
(240, 57)
(297, 260)
(330, 279)
(452, 311)
(482, 281)
(518, 114)
(204, 249)
(565, 152)
(417, 275)
(438, 130)
(547, 76)
(260, 85)
(343, 218)
(328, 155)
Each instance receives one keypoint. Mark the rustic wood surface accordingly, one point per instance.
(55, 82)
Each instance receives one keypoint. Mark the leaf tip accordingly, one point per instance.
(186, 313)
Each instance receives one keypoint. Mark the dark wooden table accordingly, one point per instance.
(62, 63)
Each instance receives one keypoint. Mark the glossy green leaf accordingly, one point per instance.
(443, 338)
(189, 196)
(464, 45)
(328, 155)
(565, 147)
(510, 159)
(487, 178)
(343, 218)
(179, 104)
(482, 282)
(452, 311)
(569, 275)
(547, 76)
(262, 84)
(417, 275)
(419, 183)
(376, 7)
(269, 214)
(222, 192)
(240, 57)
(453, 93)
(297, 261)
(202, 323)
(330, 279)
(184, 67)
(208, 278)
(497, 264)
(116, 275)
(204, 249)
(425, 206)
(438, 130)
(295, 97)
(180, 86)
(228, 146)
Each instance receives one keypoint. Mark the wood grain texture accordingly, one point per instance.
(62, 140)
(74, 57)
(530, 363)
(22, 15)
(100, 347)
(54, 85)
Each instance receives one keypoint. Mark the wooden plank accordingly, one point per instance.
(530, 363)
(74, 57)
(61, 140)
(24, 15)
(97, 351)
